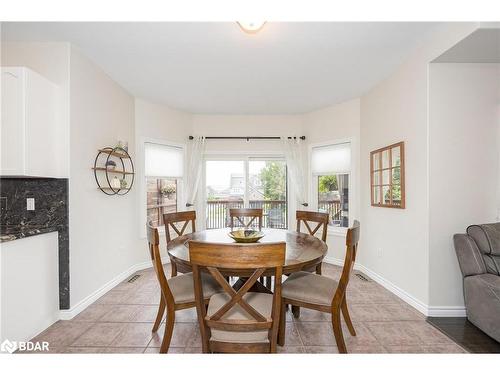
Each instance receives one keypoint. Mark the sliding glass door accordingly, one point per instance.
(247, 182)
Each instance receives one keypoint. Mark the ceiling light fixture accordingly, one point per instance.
(251, 27)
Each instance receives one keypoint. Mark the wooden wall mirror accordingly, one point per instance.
(387, 176)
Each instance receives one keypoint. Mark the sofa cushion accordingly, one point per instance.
(469, 257)
(487, 238)
(482, 298)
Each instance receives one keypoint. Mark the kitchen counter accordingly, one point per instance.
(15, 232)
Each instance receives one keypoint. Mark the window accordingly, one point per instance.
(253, 182)
(164, 166)
(387, 176)
(331, 166)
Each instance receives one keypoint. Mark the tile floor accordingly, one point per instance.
(121, 322)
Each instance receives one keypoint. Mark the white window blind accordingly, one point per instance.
(331, 159)
(163, 161)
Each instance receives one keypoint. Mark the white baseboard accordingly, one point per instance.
(434, 311)
(90, 299)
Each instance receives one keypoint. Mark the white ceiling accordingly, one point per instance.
(215, 68)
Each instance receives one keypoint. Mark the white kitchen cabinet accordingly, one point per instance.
(31, 133)
(29, 286)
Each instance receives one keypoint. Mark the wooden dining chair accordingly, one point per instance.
(238, 321)
(320, 219)
(241, 213)
(170, 220)
(177, 293)
(322, 293)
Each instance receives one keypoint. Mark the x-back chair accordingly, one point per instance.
(320, 221)
(238, 321)
(170, 220)
(322, 293)
(177, 293)
(238, 215)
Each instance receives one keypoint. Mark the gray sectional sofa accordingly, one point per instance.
(478, 253)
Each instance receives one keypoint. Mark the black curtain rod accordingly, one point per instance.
(248, 138)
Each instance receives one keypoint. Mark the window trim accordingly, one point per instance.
(142, 180)
(313, 181)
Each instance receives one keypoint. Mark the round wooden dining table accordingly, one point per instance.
(303, 251)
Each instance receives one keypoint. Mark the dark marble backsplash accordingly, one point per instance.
(51, 211)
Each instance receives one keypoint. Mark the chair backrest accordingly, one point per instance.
(241, 213)
(351, 243)
(154, 252)
(179, 217)
(252, 257)
(320, 218)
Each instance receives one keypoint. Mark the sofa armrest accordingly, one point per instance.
(469, 257)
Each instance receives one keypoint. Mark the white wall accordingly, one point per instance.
(102, 228)
(463, 170)
(395, 243)
(155, 121)
(338, 122)
(221, 125)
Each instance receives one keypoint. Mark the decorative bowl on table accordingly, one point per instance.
(246, 235)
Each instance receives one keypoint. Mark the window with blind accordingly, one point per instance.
(331, 167)
(163, 170)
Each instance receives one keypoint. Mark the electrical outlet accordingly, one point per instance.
(30, 204)
(379, 253)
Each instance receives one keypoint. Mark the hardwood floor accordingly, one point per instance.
(466, 335)
(121, 322)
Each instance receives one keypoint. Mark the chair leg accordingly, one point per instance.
(159, 315)
(337, 331)
(169, 328)
(282, 327)
(318, 269)
(296, 311)
(347, 318)
(174, 269)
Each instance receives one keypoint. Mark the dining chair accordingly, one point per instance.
(320, 220)
(322, 293)
(241, 213)
(177, 293)
(238, 321)
(170, 220)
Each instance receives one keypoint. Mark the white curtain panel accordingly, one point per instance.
(194, 168)
(293, 149)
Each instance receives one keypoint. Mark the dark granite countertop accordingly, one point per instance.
(15, 232)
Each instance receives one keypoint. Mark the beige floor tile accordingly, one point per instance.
(393, 333)
(170, 351)
(292, 336)
(92, 313)
(113, 297)
(63, 333)
(134, 335)
(316, 333)
(290, 349)
(100, 334)
(427, 333)
(183, 332)
(123, 350)
(146, 313)
(321, 349)
(121, 313)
